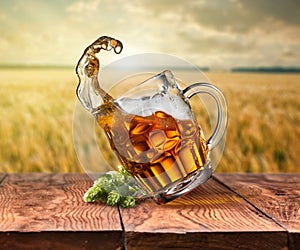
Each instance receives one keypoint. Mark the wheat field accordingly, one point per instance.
(37, 105)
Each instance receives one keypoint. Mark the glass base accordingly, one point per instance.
(184, 185)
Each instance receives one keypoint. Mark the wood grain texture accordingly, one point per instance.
(197, 218)
(277, 195)
(46, 211)
(274, 194)
(39, 206)
(2, 176)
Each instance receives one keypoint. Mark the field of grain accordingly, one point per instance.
(36, 109)
(264, 122)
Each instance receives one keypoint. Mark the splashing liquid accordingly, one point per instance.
(89, 89)
(157, 149)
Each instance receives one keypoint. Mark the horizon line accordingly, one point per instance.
(246, 69)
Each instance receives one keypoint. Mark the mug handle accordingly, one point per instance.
(206, 88)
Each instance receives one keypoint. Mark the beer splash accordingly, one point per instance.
(89, 89)
(158, 149)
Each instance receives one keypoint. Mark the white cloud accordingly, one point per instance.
(210, 33)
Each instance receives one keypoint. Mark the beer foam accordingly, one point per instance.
(173, 105)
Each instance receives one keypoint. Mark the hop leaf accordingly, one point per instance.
(123, 171)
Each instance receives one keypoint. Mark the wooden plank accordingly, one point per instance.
(36, 208)
(294, 241)
(204, 240)
(277, 195)
(2, 176)
(59, 240)
(211, 216)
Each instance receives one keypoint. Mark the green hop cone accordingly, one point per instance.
(113, 198)
(94, 193)
(114, 187)
(127, 201)
(103, 181)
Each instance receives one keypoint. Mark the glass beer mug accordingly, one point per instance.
(151, 128)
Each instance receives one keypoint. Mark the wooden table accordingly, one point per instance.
(230, 211)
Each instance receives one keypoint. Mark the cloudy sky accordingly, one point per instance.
(216, 33)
